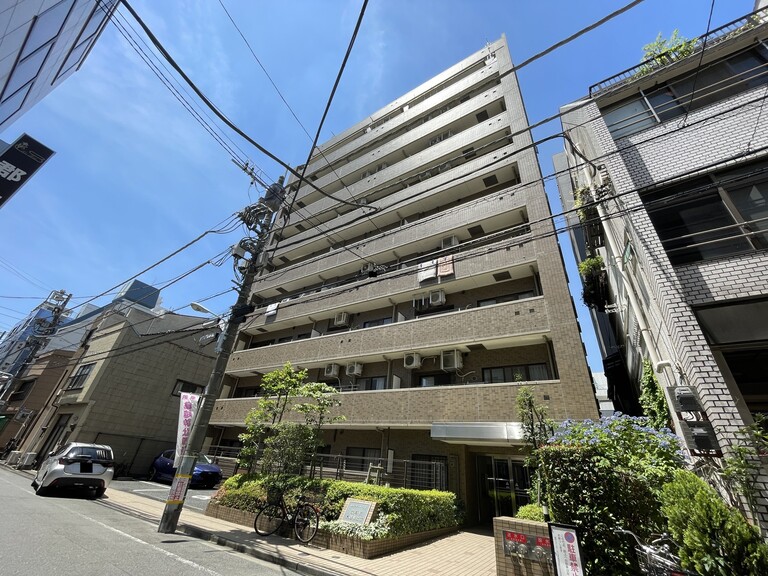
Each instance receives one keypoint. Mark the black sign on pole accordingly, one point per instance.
(18, 163)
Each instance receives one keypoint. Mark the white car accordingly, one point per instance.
(76, 465)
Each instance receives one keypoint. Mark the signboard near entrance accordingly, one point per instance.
(566, 551)
(358, 511)
(18, 163)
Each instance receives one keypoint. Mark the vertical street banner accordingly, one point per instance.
(187, 412)
(566, 552)
(18, 163)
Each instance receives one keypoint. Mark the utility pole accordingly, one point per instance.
(257, 218)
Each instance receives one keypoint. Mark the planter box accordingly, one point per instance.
(352, 546)
(372, 548)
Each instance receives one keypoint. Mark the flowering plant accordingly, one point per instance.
(626, 443)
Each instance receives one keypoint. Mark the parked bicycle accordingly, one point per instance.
(305, 518)
(657, 558)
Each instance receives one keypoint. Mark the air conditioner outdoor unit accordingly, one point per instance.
(412, 360)
(27, 459)
(437, 298)
(341, 319)
(449, 241)
(332, 370)
(354, 369)
(368, 268)
(451, 360)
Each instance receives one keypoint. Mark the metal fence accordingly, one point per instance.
(729, 30)
(420, 474)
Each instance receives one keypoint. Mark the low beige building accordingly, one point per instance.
(121, 386)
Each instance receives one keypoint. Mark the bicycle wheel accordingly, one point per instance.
(269, 519)
(305, 522)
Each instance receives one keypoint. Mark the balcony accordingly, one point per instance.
(516, 323)
(503, 211)
(338, 148)
(726, 32)
(474, 269)
(415, 408)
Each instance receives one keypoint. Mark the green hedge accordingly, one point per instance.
(407, 511)
(714, 539)
(530, 512)
(584, 491)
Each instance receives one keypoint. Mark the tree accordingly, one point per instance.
(537, 429)
(277, 388)
(321, 400)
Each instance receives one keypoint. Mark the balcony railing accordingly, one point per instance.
(730, 30)
(519, 322)
(416, 474)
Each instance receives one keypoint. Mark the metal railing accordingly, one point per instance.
(416, 474)
(729, 30)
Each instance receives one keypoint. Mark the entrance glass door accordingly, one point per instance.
(503, 486)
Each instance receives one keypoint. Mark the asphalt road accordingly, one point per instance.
(70, 535)
(196, 499)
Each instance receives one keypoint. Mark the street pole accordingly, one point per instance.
(173, 507)
(256, 218)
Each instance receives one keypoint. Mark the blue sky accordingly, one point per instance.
(136, 177)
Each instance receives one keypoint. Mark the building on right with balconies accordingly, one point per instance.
(665, 181)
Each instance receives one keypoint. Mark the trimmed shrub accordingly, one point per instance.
(403, 511)
(714, 539)
(530, 512)
(408, 511)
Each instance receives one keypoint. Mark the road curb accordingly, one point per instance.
(272, 558)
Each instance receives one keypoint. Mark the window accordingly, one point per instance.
(429, 380)
(379, 322)
(506, 298)
(373, 383)
(713, 83)
(359, 458)
(719, 215)
(22, 390)
(283, 339)
(42, 35)
(187, 387)
(77, 380)
(517, 373)
(87, 36)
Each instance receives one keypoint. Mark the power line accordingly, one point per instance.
(264, 69)
(220, 114)
(121, 24)
(164, 259)
(573, 37)
(701, 59)
(325, 114)
(280, 94)
(618, 151)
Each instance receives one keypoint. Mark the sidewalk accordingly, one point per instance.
(466, 553)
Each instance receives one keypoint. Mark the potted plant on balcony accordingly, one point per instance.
(595, 283)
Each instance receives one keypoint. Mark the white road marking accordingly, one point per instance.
(134, 539)
(201, 497)
(152, 546)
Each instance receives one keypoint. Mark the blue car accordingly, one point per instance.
(205, 475)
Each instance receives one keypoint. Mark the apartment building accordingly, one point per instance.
(667, 165)
(419, 274)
